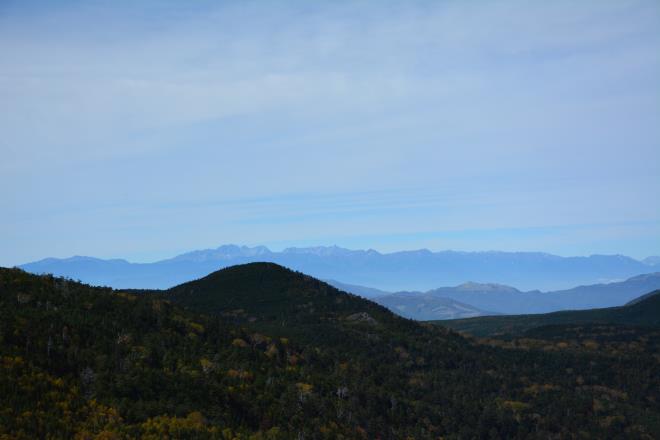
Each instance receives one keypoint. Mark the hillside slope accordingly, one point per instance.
(644, 311)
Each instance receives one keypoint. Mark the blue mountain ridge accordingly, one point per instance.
(406, 270)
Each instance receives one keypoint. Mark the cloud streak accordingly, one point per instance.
(109, 107)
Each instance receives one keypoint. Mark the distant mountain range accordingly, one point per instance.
(642, 311)
(505, 299)
(414, 305)
(406, 270)
(476, 299)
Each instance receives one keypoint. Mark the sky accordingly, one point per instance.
(143, 129)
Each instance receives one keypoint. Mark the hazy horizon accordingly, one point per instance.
(285, 248)
(142, 130)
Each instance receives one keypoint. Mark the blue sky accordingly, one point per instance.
(145, 129)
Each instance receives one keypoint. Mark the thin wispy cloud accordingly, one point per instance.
(394, 117)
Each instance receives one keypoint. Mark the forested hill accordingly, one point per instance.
(272, 298)
(643, 311)
(279, 355)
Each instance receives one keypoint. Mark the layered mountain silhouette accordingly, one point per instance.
(642, 311)
(505, 299)
(421, 306)
(426, 306)
(397, 271)
(478, 299)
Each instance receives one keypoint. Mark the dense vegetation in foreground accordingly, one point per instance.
(644, 312)
(278, 355)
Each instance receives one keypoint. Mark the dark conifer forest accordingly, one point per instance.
(260, 352)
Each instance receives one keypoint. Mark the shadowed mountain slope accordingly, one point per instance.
(276, 299)
(644, 311)
(644, 298)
